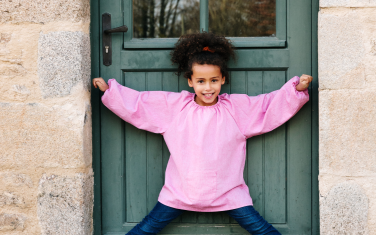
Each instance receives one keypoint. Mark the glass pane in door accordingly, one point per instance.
(242, 18)
(165, 18)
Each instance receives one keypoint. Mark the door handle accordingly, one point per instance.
(107, 37)
(121, 29)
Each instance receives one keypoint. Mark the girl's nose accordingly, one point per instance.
(207, 87)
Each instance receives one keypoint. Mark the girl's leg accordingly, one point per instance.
(252, 221)
(156, 220)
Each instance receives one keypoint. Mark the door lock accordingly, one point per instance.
(107, 37)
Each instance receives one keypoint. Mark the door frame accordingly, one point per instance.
(95, 30)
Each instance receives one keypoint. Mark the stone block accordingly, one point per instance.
(11, 199)
(347, 3)
(328, 181)
(347, 132)
(63, 61)
(341, 50)
(65, 204)
(10, 222)
(36, 135)
(41, 11)
(344, 210)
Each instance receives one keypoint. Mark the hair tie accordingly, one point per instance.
(207, 49)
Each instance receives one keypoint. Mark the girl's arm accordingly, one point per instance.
(256, 115)
(148, 110)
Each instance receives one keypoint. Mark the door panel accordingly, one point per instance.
(278, 165)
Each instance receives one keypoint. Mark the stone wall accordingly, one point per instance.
(46, 179)
(347, 107)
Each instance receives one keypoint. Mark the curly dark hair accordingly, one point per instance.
(189, 50)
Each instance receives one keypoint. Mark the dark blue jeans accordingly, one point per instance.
(161, 215)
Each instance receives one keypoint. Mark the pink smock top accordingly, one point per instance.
(207, 143)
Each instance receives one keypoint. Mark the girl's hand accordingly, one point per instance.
(99, 82)
(305, 80)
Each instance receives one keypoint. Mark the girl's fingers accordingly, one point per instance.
(100, 83)
(306, 78)
(97, 82)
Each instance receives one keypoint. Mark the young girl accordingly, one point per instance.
(205, 132)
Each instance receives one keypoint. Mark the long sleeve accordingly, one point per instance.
(148, 110)
(256, 115)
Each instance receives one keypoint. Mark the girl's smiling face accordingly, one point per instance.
(206, 80)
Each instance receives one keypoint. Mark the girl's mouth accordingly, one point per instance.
(209, 95)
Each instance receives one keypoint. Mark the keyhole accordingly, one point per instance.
(106, 49)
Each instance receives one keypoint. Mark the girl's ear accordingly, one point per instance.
(190, 83)
(223, 80)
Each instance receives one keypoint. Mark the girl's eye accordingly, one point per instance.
(214, 80)
(200, 81)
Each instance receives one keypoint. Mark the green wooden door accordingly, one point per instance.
(129, 164)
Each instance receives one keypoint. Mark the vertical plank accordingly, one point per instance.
(189, 217)
(273, 80)
(170, 82)
(299, 133)
(112, 137)
(254, 83)
(154, 150)
(238, 82)
(255, 153)
(205, 218)
(275, 159)
(96, 121)
(112, 169)
(221, 218)
(275, 176)
(135, 152)
(315, 122)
